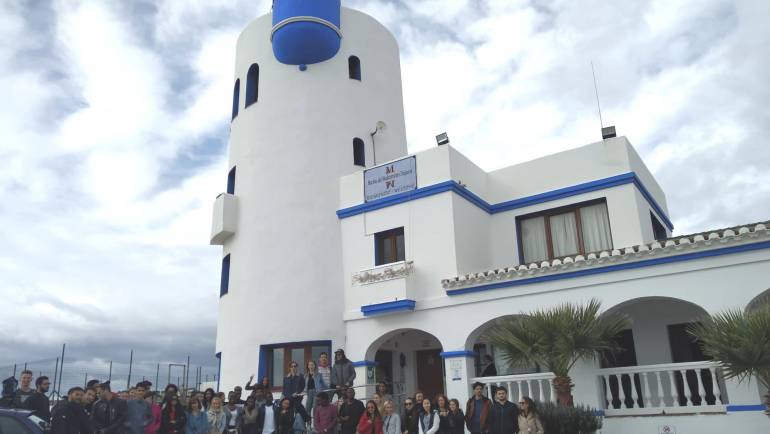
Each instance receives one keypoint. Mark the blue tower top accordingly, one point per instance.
(305, 31)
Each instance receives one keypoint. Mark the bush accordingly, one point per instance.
(568, 420)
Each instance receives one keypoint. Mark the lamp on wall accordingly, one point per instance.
(377, 128)
(442, 139)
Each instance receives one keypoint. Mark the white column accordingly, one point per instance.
(458, 366)
(364, 379)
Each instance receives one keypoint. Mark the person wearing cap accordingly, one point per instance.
(108, 415)
(343, 372)
(477, 410)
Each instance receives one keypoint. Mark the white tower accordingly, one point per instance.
(294, 134)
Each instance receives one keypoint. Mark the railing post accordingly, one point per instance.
(674, 390)
(686, 388)
(701, 389)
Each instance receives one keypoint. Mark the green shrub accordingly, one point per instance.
(568, 420)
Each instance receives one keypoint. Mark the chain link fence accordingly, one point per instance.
(121, 374)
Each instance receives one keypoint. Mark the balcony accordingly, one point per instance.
(675, 388)
(385, 288)
(224, 221)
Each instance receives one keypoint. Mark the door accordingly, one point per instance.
(430, 372)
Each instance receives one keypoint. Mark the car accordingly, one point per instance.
(15, 421)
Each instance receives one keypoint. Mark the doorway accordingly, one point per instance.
(430, 372)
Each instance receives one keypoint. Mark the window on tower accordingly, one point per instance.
(236, 97)
(389, 246)
(359, 157)
(354, 68)
(252, 85)
(231, 181)
(224, 283)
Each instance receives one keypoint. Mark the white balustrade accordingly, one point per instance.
(696, 387)
(537, 386)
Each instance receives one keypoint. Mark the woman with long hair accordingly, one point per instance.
(442, 408)
(455, 418)
(379, 402)
(208, 395)
(429, 419)
(216, 416)
(370, 421)
(172, 418)
(247, 424)
(529, 420)
(391, 421)
(289, 420)
(197, 419)
(313, 383)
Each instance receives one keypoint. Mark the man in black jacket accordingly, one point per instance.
(39, 402)
(350, 412)
(69, 417)
(109, 413)
(504, 415)
(267, 418)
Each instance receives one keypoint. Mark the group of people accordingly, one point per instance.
(307, 406)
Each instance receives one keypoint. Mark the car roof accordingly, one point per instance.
(15, 411)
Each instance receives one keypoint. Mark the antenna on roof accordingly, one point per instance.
(608, 132)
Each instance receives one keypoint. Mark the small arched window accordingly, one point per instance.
(252, 85)
(236, 97)
(354, 68)
(359, 156)
(231, 181)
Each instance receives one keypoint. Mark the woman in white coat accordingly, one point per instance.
(429, 419)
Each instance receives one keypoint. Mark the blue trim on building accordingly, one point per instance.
(441, 187)
(389, 307)
(366, 363)
(219, 368)
(599, 413)
(616, 267)
(756, 407)
(454, 354)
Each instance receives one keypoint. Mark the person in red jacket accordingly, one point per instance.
(371, 421)
(154, 425)
(477, 410)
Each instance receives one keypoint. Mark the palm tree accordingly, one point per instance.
(740, 341)
(556, 338)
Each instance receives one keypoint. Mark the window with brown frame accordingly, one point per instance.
(564, 231)
(389, 246)
(279, 358)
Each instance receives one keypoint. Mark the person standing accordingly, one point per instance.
(69, 417)
(477, 410)
(217, 416)
(208, 395)
(154, 426)
(350, 412)
(324, 416)
(429, 419)
(325, 372)
(418, 397)
(89, 399)
(267, 421)
(25, 390)
(442, 408)
(314, 382)
(382, 390)
(232, 413)
(391, 421)
(343, 372)
(197, 419)
(371, 421)
(410, 421)
(109, 412)
(455, 418)
(293, 383)
(247, 424)
(138, 412)
(529, 420)
(504, 415)
(379, 402)
(286, 416)
(38, 402)
(489, 367)
(173, 418)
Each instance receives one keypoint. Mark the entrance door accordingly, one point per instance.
(430, 372)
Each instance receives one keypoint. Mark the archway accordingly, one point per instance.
(407, 360)
(488, 360)
(761, 300)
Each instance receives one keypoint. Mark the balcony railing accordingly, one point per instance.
(696, 387)
(538, 386)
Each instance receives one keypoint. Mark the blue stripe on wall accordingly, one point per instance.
(366, 363)
(389, 307)
(462, 353)
(757, 407)
(616, 267)
(441, 187)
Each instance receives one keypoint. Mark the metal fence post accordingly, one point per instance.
(109, 376)
(130, 365)
(61, 367)
(55, 376)
(157, 374)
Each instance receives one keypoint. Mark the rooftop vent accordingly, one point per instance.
(442, 139)
(608, 132)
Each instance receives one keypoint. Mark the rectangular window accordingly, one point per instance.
(359, 155)
(389, 246)
(659, 232)
(565, 231)
(224, 283)
(231, 181)
(280, 356)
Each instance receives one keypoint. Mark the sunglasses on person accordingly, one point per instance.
(408, 404)
(522, 402)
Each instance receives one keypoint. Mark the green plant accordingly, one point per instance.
(740, 341)
(558, 419)
(556, 339)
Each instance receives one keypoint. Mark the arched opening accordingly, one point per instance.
(236, 97)
(407, 360)
(252, 84)
(359, 155)
(759, 301)
(354, 68)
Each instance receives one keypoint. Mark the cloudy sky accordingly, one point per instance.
(114, 129)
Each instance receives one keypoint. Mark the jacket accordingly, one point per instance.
(261, 417)
(293, 384)
(470, 409)
(197, 424)
(410, 421)
(232, 417)
(154, 426)
(367, 426)
(352, 412)
(530, 424)
(40, 405)
(431, 427)
(175, 425)
(391, 424)
(325, 419)
(138, 416)
(504, 418)
(343, 373)
(318, 380)
(217, 421)
(455, 422)
(109, 415)
(70, 418)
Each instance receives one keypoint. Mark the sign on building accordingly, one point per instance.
(389, 179)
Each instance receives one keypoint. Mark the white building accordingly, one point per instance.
(334, 237)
